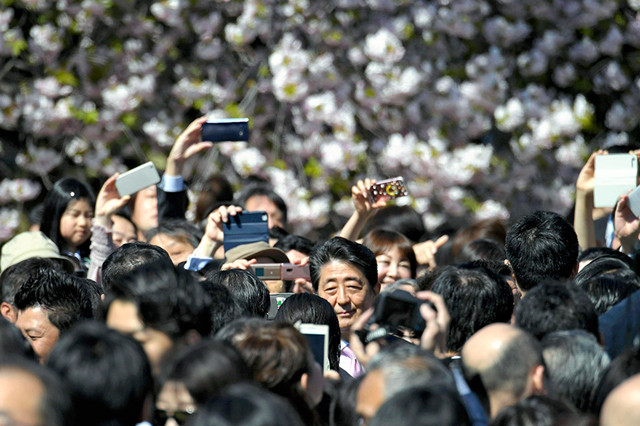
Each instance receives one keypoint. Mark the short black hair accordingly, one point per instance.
(169, 301)
(126, 259)
(534, 410)
(246, 404)
(608, 289)
(248, 291)
(482, 248)
(65, 297)
(343, 250)
(224, 307)
(541, 246)
(424, 406)
(206, 368)
(13, 277)
(574, 362)
(264, 190)
(107, 374)
(593, 253)
(403, 219)
(295, 242)
(552, 306)
(475, 297)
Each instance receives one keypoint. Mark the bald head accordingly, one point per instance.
(504, 363)
(621, 406)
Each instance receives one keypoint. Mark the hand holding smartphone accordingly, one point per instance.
(388, 188)
(137, 179)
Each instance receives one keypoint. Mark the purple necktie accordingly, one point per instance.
(351, 364)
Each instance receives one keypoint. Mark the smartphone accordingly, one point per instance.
(634, 201)
(317, 336)
(615, 175)
(281, 271)
(389, 188)
(275, 301)
(137, 179)
(244, 228)
(226, 130)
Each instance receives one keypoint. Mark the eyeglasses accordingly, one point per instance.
(160, 416)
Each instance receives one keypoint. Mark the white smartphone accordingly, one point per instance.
(615, 175)
(634, 201)
(318, 337)
(137, 179)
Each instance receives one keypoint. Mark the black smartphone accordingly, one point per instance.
(245, 228)
(226, 130)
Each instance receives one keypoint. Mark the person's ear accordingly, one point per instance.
(304, 381)
(8, 311)
(376, 289)
(537, 380)
(576, 268)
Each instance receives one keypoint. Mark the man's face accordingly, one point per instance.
(36, 327)
(347, 290)
(178, 250)
(262, 203)
(124, 317)
(145, 209)
(20, 407)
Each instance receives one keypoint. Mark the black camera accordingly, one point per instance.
(396, 314)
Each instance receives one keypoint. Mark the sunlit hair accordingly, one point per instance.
(63, 193)
(381, 241)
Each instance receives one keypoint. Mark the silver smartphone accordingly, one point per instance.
(615, 175)
(137, 179)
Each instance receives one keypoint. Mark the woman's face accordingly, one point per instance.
(75, 224)
(392, 266)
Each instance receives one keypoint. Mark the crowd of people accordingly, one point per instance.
(119, 311)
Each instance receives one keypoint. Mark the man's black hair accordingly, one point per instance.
(264, 190)
(574, 362)
(107, 374)
(593, 253)
(126, 259)
(552, 306)
(15, 275)
(295, 242)
(424, 406)
(224, 307)
(65, 298)
(247, 290)
(475, 297)
(343, 250)
(169, 301)
(246, 404)
(607, 290)
(482, 248)
(207, 368)
(534, 410)
(541, 246)
(55, 406)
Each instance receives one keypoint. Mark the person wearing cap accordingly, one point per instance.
(245, 255)
(31, 244)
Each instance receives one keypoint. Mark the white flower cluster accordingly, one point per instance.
(486, 108)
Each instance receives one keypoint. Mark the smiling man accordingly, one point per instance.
(345, 273)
